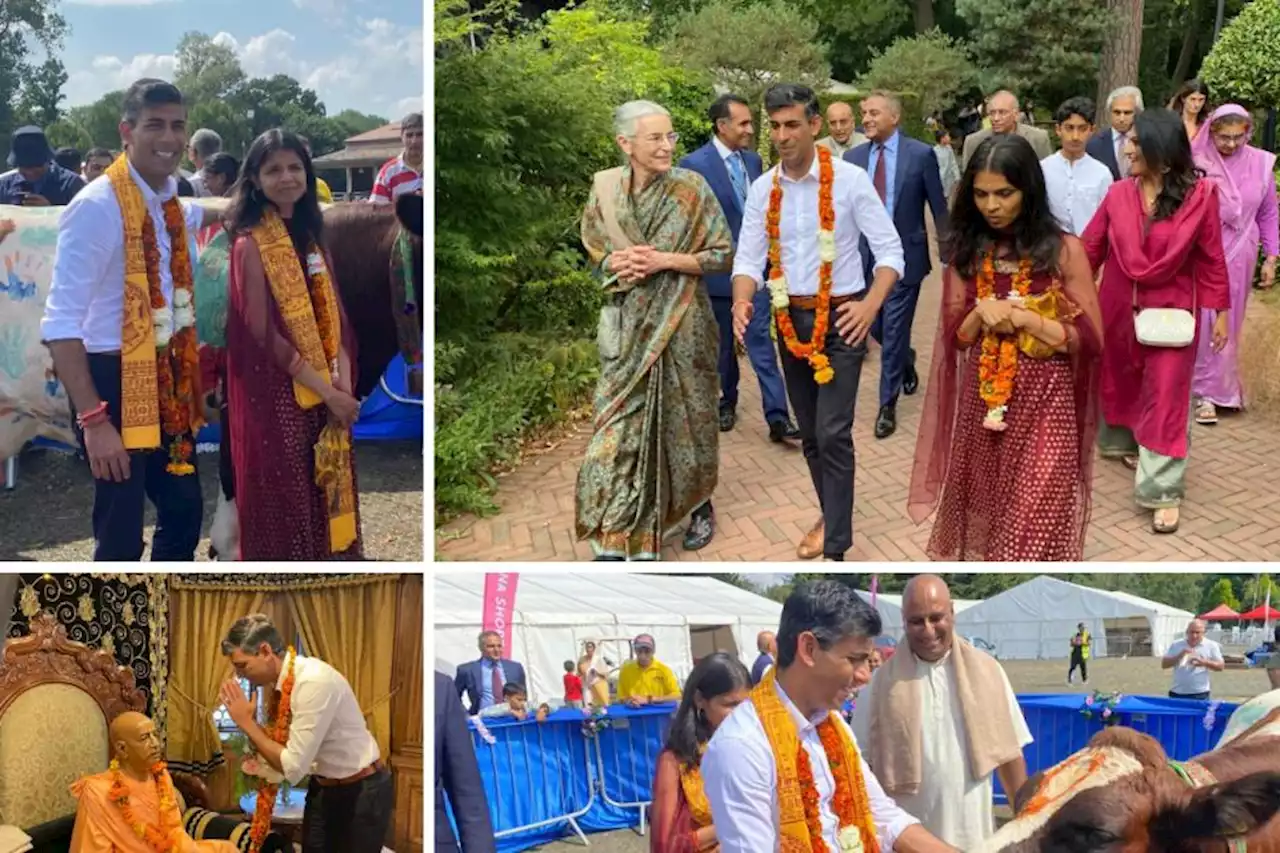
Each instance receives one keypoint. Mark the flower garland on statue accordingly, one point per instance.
(267, 790)
(779, 296)
(178, 350)
(159, 838)
(998, 362)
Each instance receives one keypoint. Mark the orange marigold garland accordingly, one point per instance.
(998, 360)
(778, 292)
(159, 838)
(267, 791)
(178, 350)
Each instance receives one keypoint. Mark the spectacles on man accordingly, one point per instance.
(659, 138)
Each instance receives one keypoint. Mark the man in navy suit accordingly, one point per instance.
(730, 166)
(905, 174)
(458, 776)
(481, 681)
(1123, 106)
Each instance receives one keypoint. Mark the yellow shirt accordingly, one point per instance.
(323, 192)
(656, 680)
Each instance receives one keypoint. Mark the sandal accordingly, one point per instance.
(1206, 414)
(1130, 462)
(1160, 521)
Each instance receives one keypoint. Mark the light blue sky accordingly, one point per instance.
(359, 54)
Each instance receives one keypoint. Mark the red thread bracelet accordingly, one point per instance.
(96, 414)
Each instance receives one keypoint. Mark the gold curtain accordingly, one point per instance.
(199, 621)
(406, 707)
(352, 628)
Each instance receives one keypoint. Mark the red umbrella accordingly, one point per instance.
(1261, 613)
(1221, 613)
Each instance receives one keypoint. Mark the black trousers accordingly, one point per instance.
(118, 507)
(824, 416)
(348, 818)
(1202, 696)
(1077, 660)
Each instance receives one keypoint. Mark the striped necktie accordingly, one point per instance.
(738, 177)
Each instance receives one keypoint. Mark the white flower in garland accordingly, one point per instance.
(315, 263)
(162, 323)
(778, 295)
(850, 840)
(184, 312)
(827, 246)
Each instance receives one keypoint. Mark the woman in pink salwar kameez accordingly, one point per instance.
(1247, 204)
(1159, 236)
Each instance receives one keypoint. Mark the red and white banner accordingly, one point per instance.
(499, 604)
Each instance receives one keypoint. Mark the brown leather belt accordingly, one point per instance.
(810, 303)
(325, 782)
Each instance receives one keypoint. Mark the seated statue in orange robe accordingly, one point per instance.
(133, 808)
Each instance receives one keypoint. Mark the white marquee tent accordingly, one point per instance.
(889, 606)
(1035, 620)
(552, 615)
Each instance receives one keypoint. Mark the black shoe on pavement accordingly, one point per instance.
(886, 421)
(910, 379)
(728, 417)
(702, 527)
(780, 431)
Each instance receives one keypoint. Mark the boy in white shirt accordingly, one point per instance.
(1077, 183)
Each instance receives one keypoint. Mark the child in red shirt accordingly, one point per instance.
(572, 686)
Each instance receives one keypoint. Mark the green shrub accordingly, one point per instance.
(1244, 65)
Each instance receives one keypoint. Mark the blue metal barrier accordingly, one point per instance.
(543, 780)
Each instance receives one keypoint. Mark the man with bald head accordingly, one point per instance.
(765, 645)
(842, 137)
(1003, 110)
(1192, 660)
(938, 719)
(137, 764)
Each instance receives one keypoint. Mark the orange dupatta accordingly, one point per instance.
(799, 824)
(310, 314)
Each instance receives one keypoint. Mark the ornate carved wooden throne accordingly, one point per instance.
(57, 698)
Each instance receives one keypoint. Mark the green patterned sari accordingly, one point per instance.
(655, 452)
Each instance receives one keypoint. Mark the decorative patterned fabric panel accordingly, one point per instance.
(202, 824)
(111, 612)
(49, 737)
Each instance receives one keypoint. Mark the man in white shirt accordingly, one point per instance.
(825, 639)
(84, 329)
(939, 720)
(350, 797)
(1192, 660)
(824, 411)
(1076, 182)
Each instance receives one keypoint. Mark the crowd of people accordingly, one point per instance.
(120, 324)
(1093, 300)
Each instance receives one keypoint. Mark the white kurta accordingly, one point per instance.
(950, 803)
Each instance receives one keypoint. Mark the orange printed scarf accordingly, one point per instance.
(310, 313)
(158, 385)
(800, 829)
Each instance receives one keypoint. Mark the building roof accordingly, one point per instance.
(369, 149)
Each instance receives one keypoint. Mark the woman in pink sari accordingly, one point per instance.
(1247, 204)
(680, 816)
(1159, 235)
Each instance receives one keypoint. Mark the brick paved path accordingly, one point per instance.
(765, 501)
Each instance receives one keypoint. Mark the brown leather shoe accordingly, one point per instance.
(811, 545)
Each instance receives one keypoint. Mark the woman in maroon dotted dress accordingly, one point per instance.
(283, 514)
(1014, 482)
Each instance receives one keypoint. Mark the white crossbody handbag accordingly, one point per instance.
(1169, 328)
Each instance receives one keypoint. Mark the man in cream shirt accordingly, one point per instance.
(918, 703)
(350, 797)
(825, 639)
(1076, 182)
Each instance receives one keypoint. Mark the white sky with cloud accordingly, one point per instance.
(366, 56)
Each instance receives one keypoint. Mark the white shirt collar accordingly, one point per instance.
(723, 149)
(149, 195)
(813, 169)
(804, 724)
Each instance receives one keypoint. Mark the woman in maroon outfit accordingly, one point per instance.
(680, 816)
(1015, 473)
(283, 513)
(1158, 237)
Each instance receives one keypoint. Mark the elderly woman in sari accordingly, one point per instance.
(652, 231)
(1247, 203)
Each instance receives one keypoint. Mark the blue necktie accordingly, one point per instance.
(738, 176)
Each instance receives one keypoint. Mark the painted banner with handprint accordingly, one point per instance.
(32, 401)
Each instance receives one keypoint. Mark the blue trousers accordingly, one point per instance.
(760, 350)
(892, 330)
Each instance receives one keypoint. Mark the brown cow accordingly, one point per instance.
(1122, 794)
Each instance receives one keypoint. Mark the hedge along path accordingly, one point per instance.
(765, 501)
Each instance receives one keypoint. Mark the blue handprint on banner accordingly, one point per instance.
(14, 284)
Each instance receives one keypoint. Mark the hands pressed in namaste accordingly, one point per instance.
(239, 707)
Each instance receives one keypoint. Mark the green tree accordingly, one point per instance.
(267, 98)
(41, 99)
(353, 123)
(66, 132)
(775, 43)
(933, 66)
(1244, 65)
(226, 120)
(25, 26)
(1042, 49)
(206, 70)
(851, 32)
(735, 579)
(1220, 592)
(100, 121)
(1255, 591)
